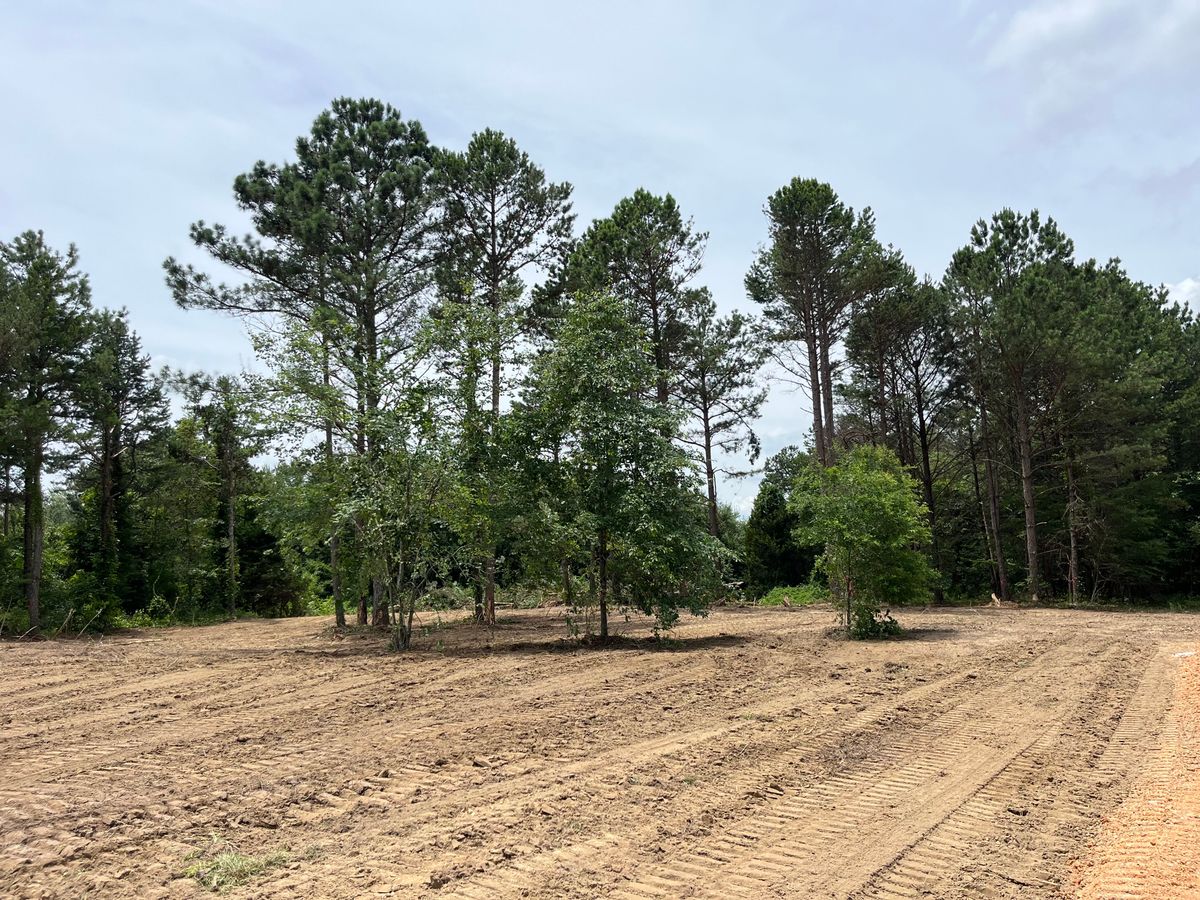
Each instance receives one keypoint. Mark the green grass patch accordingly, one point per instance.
(804, 595)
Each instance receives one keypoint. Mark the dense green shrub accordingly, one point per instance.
(866, 511)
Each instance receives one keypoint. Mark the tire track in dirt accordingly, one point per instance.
(660, 773)
(857, 815)
(1010, 837)
(524, 874)
(1148, 847)
(158, 763)
(214, 691)
(598, 768)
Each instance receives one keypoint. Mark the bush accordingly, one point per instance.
(869, 622)
(865, 510)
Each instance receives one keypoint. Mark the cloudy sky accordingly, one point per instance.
(126, 121)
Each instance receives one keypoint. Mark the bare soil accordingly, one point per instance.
(992, 753)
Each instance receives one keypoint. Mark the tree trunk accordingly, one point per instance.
(1073, 530)
(371, 348)
(714, 523)
(1025, 449)
(360, 617)
(568, 587)
(335, 576)
(602, 576)
(827, 393)
(983, 513)
(815, 393)
(379, 604)
(489, 563)
(881, 394)
(335, 581)
(661, 388)
(412, 610)
(34, 533)
(489, 589)
(107, 513)
(231, 572)
(994, 502)
(927, 480)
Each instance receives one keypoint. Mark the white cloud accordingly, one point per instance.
(1186, 292)
(1126, 34)
(1034, 28)
(1077, 59)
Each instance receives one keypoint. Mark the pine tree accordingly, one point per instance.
(344, 253)
(807, 279)
(501, 218)
(47, 315)
(645, 254)
(123, 409)
(719, 363)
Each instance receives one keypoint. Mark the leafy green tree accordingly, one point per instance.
(900, 392)
(223, 409)
(270, 580)
(633, 487)
(866, 513)
(47, 319)
(177, 522)
(773, 555)
(400, 499)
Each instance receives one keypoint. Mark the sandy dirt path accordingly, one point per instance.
(755, 755)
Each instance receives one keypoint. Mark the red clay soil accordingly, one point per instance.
(755, 755)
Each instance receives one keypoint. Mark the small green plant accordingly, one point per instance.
(222, 867)
(869, 622)
(804, 595)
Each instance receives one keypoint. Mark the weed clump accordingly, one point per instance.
(223, 867)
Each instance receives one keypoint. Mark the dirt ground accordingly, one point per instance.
(993, 753)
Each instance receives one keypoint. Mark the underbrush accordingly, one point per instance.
(804, 595)
(516, 596)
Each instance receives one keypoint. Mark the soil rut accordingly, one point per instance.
(754, 756)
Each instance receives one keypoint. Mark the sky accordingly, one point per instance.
(127, 121)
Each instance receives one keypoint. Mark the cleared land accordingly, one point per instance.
(995, 753)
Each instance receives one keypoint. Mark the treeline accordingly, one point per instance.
(137, 508)
(1048, 407)
(458, 391)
